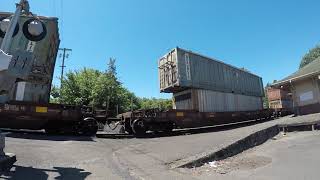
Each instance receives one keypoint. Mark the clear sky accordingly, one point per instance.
(266, 37)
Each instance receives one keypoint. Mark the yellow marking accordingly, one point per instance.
(180, 114)
(40, 109)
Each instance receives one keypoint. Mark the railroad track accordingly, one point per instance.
(181, 132)
(175, 132)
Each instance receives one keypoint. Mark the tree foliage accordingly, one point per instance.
(313, 54)
(100, 89)
(162, 104)
(55, 94)
(112, 69)
(265, 99)
(78, 87)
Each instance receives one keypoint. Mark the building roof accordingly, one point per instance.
(311, 69)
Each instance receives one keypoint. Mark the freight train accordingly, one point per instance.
(206, 92)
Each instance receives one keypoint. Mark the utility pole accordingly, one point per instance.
(64, 56)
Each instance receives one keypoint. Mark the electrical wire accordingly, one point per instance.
(54, 7)
(61, 20)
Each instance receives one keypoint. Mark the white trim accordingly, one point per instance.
(20, 91)
(5, 60)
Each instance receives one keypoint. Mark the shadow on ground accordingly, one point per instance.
(36, 135)
(63, 173)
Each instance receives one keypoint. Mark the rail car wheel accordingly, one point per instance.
(138, 127)
(169, 127)
(87, 127)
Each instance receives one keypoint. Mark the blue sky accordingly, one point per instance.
(267, 37)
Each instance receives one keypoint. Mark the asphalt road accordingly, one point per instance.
(62, 157)
(65, 157)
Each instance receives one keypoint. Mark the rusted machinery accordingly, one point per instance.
(54, 118)
(29, 46)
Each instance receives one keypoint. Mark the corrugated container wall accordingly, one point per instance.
(277, 94)
(214, 101)
(41, 55)
(180, 70)
(279, 104)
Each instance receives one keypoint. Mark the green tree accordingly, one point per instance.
(102, 90)
(163, 104)
(265, 99)
(78, 86)
(95, 88)
(127, 100)
(55, 94)
(313, 54)
(109, 92)
(112, 69)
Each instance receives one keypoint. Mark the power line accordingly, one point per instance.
(61, 19)
(54, 8)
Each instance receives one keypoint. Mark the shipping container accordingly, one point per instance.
(34, 58)
(215, 101)
(280, 104)
(181, 69)
(277, 94)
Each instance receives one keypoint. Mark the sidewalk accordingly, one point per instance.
(245, 139)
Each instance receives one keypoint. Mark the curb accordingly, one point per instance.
(310, 126)
(254, 139)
